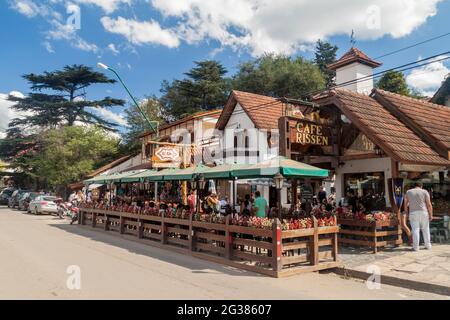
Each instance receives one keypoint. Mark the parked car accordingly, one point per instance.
(5, 195)
(25, 200)
(43, 204)
(14, 200)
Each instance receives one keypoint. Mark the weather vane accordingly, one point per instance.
(352, 39)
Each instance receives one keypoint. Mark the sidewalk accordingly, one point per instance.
(426, 270)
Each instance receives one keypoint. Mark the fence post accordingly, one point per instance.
(94, 219)
(191, 235)
(163, 229)
(228, 239)
(314, 244)
(140, 228)
(122, 224)
(106, 222)
(277, 264)
(81, 217)
(335, 242)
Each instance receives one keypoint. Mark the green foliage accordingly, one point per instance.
(394, 81)
(137, 124)
(325, 54)
(279, 76)
(68, 153)
(205, 88)
(66, 102)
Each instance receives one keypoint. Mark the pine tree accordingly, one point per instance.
(394, 81)
(326, 54)
(66, 102)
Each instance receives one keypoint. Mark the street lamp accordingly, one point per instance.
(156, 130)
(279, 179)
(201, 181)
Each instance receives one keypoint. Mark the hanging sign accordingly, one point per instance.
(397, 189)
(166, 157)
(310, 133)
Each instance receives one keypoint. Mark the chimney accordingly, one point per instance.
(352, 66)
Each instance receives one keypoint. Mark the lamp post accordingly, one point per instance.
(156, 130)
(279, 179)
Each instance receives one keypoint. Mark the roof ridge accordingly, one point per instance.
(412, 99)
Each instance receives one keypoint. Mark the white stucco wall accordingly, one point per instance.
(362, 166)
(355, 71)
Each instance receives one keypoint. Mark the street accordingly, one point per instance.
(36, 251)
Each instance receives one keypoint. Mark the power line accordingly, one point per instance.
(412, 46)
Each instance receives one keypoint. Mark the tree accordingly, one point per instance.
(137, 124)
(205, 88)
(66, 103)
(69, 152)
(326, 54)
(279, 76)
(394, 81)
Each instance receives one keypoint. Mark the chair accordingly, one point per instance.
(440, 230)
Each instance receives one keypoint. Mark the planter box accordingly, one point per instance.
(372, 234)
(268, 251)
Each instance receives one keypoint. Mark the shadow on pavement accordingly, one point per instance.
(113, 238)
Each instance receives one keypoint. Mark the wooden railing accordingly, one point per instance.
(268, 251)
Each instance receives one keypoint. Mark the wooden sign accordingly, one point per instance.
(310, 133)
(166, 157)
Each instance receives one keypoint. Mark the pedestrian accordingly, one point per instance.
(322, 194)
(246, 206)
(223, 206)
(192, 202)
(420, 213)
(260, 205)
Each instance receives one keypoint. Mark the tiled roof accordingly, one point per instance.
(210, 113)
(433, 118)
(385, 130)
(264, 111)
(353, 55)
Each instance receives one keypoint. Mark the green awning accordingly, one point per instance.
(185, 174)
(105, 178)
(141, 176)
(223, 171)
(283, 165)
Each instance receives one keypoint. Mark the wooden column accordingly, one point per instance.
(191, 234)
(106, 222)
(122, 224)
(140, 229)
(94, 219)
(314, 244)
(277, 264)
(228, 239)
(163, 229)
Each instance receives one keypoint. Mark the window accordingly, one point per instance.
(368, 188)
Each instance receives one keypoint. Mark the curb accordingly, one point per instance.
(396, 282)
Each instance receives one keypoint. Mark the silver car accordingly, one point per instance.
(43, 204)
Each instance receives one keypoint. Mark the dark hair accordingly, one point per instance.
(257, 194)
(418, 184)
(247, 197)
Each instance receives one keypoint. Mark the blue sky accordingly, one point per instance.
(148, 41)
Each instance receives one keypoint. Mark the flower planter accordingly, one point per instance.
(273, 251)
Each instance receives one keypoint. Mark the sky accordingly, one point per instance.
(148, 41)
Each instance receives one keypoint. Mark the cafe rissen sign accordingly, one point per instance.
(166, 157)
(310, 133)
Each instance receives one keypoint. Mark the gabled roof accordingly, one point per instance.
(384, 129)
(425, 118)
(351, 56)
(108, 166)
(264, 111)
(443, 93)
(210, 113)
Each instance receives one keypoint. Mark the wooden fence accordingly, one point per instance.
(372, 234)
(271, 252)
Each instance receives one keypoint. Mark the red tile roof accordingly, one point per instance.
(433, 118)
(384, 129)
(264, 111)
(353, 55)
(210, 113)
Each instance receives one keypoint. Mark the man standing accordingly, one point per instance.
(321, 195)
(420, 211)
(260, 205)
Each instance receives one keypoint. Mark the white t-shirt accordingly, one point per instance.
(417, 199)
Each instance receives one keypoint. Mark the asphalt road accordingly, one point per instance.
(36, 253)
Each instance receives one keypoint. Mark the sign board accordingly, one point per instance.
(166, 157)
(308, 133)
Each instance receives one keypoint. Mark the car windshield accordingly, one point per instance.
(8, 192)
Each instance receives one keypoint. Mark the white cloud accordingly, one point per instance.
(26, 7)
(145, 32)
(113, 49)
(428, 79)
(111, 116)
(286, 26)
(6, 111)
(109, 6)
(48, 46)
